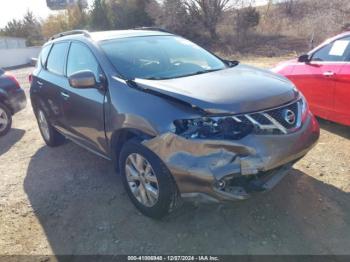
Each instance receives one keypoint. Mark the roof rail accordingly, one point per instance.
(151, 28)
(73, 32)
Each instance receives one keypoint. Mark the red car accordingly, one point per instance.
(323, 76)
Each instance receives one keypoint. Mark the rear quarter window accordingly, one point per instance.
(44, 54)
(57, 58)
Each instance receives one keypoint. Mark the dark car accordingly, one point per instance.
(176, 120)
(12, 100)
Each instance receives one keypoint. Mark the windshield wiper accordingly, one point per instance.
(231, 63)
(154, 78)
(207, 71)
(203, 72)
(192, 74)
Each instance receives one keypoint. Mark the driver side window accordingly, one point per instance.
(80, 58)
(336, 51)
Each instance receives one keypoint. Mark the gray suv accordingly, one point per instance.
(176, 120)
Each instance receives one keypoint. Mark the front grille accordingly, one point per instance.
(260, 118)
(281, 120)
(279, 115)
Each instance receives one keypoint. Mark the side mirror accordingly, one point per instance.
(83, 79)
(304, 58)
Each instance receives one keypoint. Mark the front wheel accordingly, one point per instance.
(50, 135)
(147, 180)
(5, 120)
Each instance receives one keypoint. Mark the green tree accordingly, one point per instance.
(32, 28)
(14, 28)
(28, 27)
(99, 16)
(77, 18)
(55, 24)
(130, 13)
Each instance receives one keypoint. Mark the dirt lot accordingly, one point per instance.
(69, 201)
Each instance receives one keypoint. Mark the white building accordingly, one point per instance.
(12, 42)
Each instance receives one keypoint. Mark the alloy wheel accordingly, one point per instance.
(4, 120)
(43, 125)
(142, 180)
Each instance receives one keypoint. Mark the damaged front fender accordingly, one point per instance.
(198, 164)
(205, 166)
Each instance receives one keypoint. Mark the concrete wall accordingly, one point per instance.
(12, 42)
(18, 56)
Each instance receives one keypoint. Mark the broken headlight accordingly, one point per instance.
(213, 127)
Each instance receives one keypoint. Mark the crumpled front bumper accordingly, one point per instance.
(232, 170)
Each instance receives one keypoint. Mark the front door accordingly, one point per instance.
(84, 108)
(342, 96)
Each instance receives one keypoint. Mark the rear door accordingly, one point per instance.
(317, 79)
(49, 81)
(84, 108)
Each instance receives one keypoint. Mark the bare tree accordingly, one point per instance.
(289, 6)
(248, 18)
(172, 15)
(208, 12)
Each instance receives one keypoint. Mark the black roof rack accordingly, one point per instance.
(151, 28)
(73, 32)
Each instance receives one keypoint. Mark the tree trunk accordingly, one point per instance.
(213, 33)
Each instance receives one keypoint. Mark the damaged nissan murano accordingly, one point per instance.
(177, 121)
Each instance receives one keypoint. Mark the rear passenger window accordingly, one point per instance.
(55, 62)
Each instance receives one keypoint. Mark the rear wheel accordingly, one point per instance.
(147, 180)
(50, 135)
(5, 120)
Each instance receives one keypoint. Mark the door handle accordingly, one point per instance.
(65, 95)
(39, 83)
(328, 73)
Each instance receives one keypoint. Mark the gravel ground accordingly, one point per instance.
(69, 201)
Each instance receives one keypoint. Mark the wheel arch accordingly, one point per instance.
(119, 137)
(4, 100)
(37, 103)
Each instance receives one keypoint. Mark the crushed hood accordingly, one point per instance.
(240, 89)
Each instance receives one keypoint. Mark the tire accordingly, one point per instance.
(167, 190)
(50, 135)
(5, 119)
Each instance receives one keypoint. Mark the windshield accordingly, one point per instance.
(159, 57)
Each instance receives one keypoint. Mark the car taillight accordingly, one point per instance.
(30, 78)
(12, 78)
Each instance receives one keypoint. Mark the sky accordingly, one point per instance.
(11, 9)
